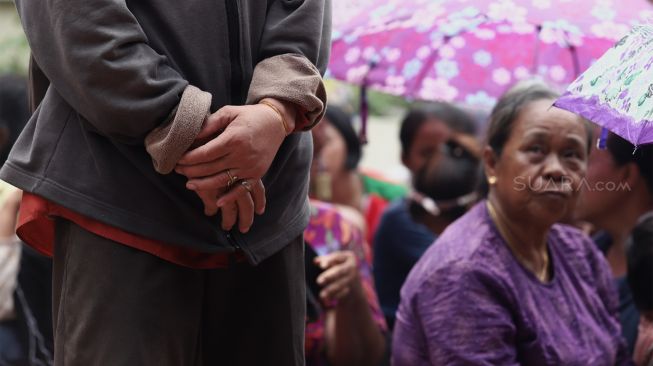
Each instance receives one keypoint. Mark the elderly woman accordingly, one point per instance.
(505, 284)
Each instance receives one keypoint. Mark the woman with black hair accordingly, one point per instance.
(617, 192)
(346, 326)
(400, 239)
(335, 176)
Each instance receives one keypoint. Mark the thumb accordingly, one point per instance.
(215, 123)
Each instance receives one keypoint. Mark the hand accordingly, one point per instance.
(339, 277)
(209, 198)
(240, 203)
(248, 138)
(9, 214)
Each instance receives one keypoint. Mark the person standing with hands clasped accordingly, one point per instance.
(151, 118)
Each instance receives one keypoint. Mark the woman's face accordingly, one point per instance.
(542, 164)
(329, 149)
(428, 140)
(599, 194)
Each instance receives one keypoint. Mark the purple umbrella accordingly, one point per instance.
(617, 91)
(472, 51)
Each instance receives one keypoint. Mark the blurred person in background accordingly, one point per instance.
(335, 176)
(345, 324)
(445, 188)
(617, 192)
(505, 284)
(640, 280)
(400, 240)
(25, 276)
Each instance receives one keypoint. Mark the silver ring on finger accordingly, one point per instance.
(247, 185)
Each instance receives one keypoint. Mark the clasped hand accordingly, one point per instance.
(232, 152)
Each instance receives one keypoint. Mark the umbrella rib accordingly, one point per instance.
(413, 90)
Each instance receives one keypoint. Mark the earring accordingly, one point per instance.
(492, 180)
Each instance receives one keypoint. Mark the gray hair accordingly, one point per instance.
(507, 109)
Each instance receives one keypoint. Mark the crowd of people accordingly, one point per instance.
(160, 210)
(506, 250)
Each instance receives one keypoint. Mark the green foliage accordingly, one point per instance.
(383, 104)
(14, 50)
(348, 96)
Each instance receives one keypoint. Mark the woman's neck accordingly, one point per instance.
(527, 241)
(616, 257)
(531, 236)
(619, 226)
(436, 224)
(347, 189)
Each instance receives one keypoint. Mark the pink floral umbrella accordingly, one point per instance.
(472, 51)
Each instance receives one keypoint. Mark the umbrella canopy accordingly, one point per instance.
(617, 91)
(472, 51)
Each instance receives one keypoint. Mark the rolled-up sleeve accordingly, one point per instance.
(97, 57)
(294, 53)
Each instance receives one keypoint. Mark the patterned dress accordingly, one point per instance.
(328, 232)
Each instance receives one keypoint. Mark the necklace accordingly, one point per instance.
(543, 273)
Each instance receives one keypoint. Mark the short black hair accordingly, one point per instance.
(14, 110)
(640, 264)
(342, 121)
(452, 116)
(623, 152)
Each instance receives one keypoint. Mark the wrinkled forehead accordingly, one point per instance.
(541, 118)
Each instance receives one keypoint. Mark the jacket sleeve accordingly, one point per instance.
(97, 57)
(295, 43)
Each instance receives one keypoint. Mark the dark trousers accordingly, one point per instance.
(115, 306)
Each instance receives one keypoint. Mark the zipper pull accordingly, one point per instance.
(232, 240)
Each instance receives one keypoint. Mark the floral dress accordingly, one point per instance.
(327, 232)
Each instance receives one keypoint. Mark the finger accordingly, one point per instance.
(212, 150)
(229, 215)
(336, 295)
(328, 260)
(208, 199)
(245, 212)
(258, 195)
(232, 195)
(216, 181)
(334, 274)
(217, 122)
(206, 169)
(329, 292)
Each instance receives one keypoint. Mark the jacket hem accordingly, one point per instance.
(139, 225)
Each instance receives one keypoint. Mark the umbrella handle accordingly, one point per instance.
(601, 143)
(364, 112)
(574, 58)
(364, 103)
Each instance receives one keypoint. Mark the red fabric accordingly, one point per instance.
(375, 207)
(36, 227)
